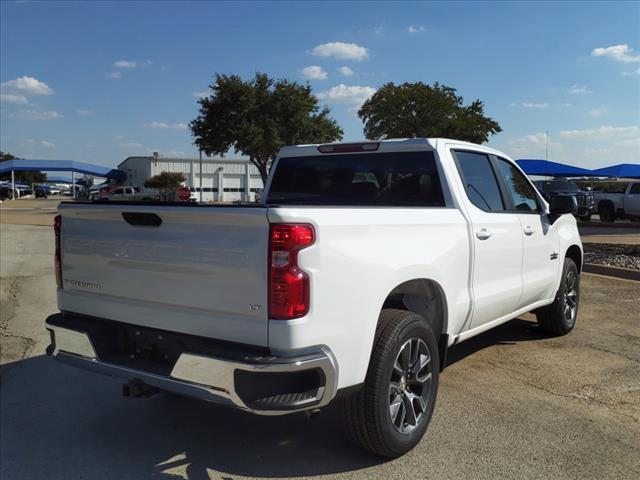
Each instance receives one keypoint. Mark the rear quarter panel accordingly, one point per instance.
(359, 257)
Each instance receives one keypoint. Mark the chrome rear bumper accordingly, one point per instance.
(206, 377)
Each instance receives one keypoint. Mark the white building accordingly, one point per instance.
(222, 180)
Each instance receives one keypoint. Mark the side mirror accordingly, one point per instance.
(560, 205)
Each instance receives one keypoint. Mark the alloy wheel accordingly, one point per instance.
(570, 308)
(410, 385)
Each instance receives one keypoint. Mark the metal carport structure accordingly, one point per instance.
(31, 165)
(622, 170)
(548, 168)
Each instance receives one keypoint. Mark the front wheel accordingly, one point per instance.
(560, 317)
(390, 414)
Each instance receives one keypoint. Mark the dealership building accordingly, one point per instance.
(221, 180)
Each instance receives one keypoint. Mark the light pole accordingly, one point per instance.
(546, 147)
(200, 150)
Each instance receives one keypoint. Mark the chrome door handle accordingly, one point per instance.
(483, 234)
(529, 230)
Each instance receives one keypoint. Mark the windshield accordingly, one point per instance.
(400, 178)
(560, 186)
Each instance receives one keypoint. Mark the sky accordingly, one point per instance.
(101, 81)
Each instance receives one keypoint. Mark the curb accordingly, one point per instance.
(617, 272)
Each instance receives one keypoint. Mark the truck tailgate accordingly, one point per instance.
(202, 271)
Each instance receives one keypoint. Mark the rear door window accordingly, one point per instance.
(360, 179)
(479, 180)
(520, 191)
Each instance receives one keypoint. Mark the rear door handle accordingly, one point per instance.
(529, 230)
(483, 234)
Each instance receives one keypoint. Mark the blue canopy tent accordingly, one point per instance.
(22, 165)
(553, 169)
(623, 170)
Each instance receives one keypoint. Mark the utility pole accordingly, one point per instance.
(200, 150)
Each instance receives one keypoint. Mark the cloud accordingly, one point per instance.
(42, 143)
(40, 114)
(314, 72)
(163, 125)
(27, 86)
(378, 29)
(415, 29)
(566, 105)
(130, 145)
(132, 63)
(634, 72)
(340, 51)
(201, 94)
(353, 95)
(125, 64)
(580, 90)
(598, 112)
(605, 131)
(630, 142)
(620, 53)
(533, 145)
(530, 105)
(114, 75)
(85, 112)
(175, 153)
(345, 71)
(13, 98)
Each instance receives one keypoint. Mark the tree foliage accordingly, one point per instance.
(259, 116)
(419, 110)
(167, 184)
(26, 177)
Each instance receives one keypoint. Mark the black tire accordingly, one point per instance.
(554, 318)
(606, 212)
(367, 413)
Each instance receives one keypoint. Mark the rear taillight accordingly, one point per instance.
(57, 226)
(288, 284)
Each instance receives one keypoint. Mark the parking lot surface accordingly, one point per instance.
(513, 403)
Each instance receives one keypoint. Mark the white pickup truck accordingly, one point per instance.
(362, 265)
(611, 206)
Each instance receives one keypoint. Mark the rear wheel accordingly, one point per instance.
(606, 212)
(390, 414)
(560, 317)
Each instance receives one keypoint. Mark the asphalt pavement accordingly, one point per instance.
(513, 403)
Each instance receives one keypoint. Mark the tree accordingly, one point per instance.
(258, 117)
(26, 177)
(167, 184)
(420, 110)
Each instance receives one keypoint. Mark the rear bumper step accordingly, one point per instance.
(263, 384)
